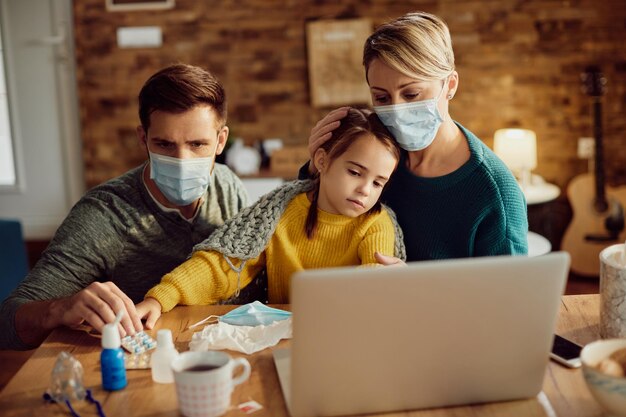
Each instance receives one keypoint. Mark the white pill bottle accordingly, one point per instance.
(162, 357)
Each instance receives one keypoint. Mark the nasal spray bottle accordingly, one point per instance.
(161, 359)
(112, 357)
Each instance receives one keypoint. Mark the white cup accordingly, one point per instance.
(204, 382)
(613, 292)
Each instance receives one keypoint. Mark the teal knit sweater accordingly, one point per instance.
(477, 210)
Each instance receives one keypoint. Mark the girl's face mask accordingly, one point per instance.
(252, 314)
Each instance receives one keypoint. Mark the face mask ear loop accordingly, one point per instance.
(443, 87)
(206, 320)
(217, 143)
(238, 271)
(92, 400)
(89, 397)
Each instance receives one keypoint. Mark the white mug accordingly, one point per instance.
(204, 382)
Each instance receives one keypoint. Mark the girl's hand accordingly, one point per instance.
(388, 260)
(150, 309)
(322, 131)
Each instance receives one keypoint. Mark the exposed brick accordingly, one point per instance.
(519, 64)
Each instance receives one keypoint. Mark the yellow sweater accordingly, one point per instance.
(206, 277)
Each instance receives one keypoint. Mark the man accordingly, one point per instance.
(124, 235)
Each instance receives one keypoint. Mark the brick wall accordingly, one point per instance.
(519, 64)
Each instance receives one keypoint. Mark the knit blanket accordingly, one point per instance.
(248, 233)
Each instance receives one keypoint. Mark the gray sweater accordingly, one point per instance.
(117, 233)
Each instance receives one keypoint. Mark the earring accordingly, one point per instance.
(450, 96)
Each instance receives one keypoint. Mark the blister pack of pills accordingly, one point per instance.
(137, 360)
(139, 343)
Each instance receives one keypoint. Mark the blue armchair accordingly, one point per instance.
(13, 258)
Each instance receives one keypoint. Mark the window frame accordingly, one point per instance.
(15, 137)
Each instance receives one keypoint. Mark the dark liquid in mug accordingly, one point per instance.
(201, 368)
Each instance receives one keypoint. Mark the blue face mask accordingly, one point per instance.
(251, 314)
(182, 181)
(413, 125)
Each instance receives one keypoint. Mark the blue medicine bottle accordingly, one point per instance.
(112, 359)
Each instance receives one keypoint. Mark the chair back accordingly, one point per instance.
(13, 258)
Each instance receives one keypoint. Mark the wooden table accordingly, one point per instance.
(565, 393)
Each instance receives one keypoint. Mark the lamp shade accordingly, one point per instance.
(517, 148)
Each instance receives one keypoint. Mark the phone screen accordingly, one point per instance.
(565, 348)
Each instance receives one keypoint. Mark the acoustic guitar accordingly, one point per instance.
(598, 211)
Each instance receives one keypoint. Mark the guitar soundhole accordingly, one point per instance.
(613, 224)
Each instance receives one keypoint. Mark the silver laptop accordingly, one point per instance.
(432, 334)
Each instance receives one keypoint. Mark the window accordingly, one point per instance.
(7, 162)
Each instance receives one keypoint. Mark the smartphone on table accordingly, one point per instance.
(566, 352)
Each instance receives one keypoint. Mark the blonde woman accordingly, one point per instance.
(453, 197)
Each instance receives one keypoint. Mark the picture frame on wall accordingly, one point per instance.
(132, 5)
(335, 56)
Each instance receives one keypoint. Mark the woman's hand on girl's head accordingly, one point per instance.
(388, 260)
(322, 131)
(149, 309)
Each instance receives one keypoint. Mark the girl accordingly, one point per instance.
(454, 198)
(334, 220)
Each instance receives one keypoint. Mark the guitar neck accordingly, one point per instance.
(600, 202)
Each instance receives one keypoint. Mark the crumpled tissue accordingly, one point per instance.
(245, 339)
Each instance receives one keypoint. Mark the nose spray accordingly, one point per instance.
(112, 357)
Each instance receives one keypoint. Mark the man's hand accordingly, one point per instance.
(388, 260)
(322, 131)
(150, 309)
(97, 305)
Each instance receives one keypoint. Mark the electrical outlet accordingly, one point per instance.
(586, 148)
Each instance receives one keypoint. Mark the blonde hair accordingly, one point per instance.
(416, 44)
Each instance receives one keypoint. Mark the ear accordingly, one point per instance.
(320, 160)
(142, 137)
(453, 85)
(222, 137)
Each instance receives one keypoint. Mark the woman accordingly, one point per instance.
(453, 197)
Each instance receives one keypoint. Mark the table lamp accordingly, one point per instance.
(518, 150)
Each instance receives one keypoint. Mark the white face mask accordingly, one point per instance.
(413, 125)
(248, 329)
(182, 181)
(245, 339)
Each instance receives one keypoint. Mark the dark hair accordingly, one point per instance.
(178, 88)
(356, 123)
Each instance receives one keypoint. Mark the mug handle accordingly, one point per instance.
(245, 373)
